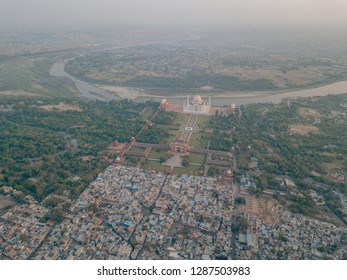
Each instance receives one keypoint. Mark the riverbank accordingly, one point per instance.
(104, 93)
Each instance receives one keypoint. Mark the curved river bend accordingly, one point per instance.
(92, 92)
(86, 90)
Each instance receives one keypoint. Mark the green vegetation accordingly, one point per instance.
(190, 169)
(213, 171)
(156, 165)
(137, 149)
(198, 144)
(180, 119)
(203, 121)
(152, 135)
(197, 158)
(165, 118)
(157, 154)
(86, 67)
(240, 225)
(30, 73)
(131, 161)
(180, 71)
(221, 138)
(265, 132)
(41, 150)
(185, 162)
(240, 200)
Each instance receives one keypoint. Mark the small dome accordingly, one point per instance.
(163, 101)
(197, 99)
(229, 172)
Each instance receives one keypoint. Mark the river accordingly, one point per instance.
(335, 88)
(86, 90)
(239, 98)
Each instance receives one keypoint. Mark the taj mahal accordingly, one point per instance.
(197, 106)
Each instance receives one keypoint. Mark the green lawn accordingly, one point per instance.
(150, 164)
(157, 154)
(225, 158)
(31, 74)
(203, 121)
(190, 170)
(181, 119)
(197, 158)
(335, 164)
(131, 161)
(166, 141)
(203, 136)
(198, 144)
(137, 149)
(173, 132)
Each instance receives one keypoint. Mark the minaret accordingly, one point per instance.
(209, 101)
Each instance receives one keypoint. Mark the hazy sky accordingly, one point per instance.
(71, 13)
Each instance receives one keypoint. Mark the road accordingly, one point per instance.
(236, 186)
(236, 214)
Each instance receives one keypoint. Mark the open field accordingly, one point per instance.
(173, 132)
(181, 119)
(190, 169)
(167, 140)
(157, 154)
(17, 93)
(335, 164)
(61, 107)
(267, 205)
(308, 112)
(302, 129)
(5, 204)
(283, 78)
(153, 165)
(131, 161)
(30, 74)
(203, 121)
(243, 69)
(197, 158)
(198, 144)
(137, 149)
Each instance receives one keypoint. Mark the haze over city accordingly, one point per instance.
(173, 130)
(110, 13)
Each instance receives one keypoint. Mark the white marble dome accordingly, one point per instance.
(197, 100)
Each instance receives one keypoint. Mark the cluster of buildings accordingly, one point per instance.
(18, 43)
(200, 211)
(292, 237)
(21, 232)
(159, 62)
(343, 200)
(128, 213)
